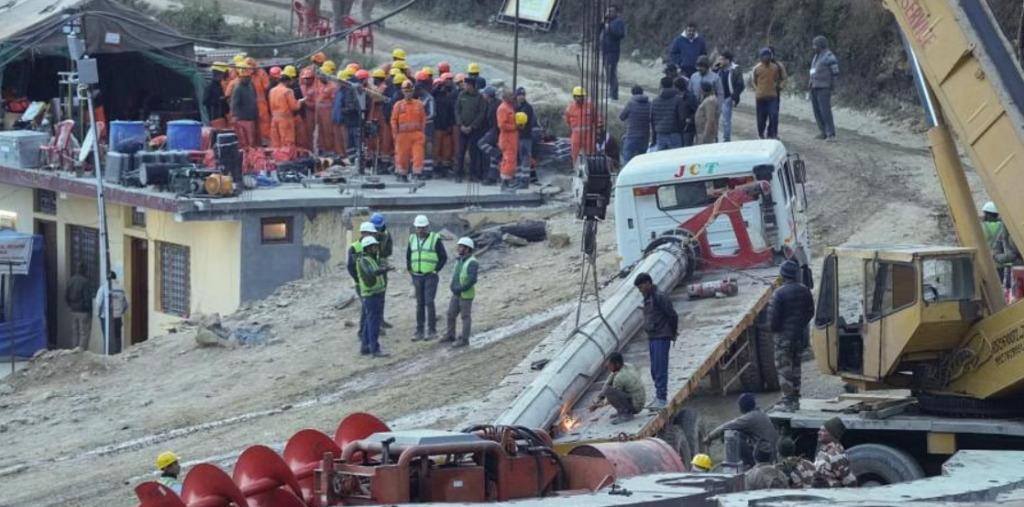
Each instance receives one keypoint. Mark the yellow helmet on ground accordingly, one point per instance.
(329, 67)
(166, 459)
(398, 54)
(474, 68)
(379, 73)
(579, 92)
(521, 119)
(290, 72)
(702, 461)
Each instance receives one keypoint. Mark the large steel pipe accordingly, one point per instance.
(568, 375)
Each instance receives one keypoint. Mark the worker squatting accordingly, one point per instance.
(421, 125)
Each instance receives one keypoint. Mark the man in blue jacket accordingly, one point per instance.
(613, 30)
(661, 322)
(686, 49)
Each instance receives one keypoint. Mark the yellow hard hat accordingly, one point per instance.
(219, 67)
(166, 459)
(328, 67)
(474, 68)
(346, 74)
(521, 119)
(428, 70)
(379, 73)
(400, 65)
(579, 92)
(398, 54)
(239, 58)
(702, 461)
(290, 71)
(395, 71)
(400, 78)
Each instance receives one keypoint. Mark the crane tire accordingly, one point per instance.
(879, 465)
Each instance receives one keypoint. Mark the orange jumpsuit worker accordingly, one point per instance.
(283, 107)
(508, 138)
(307, 83)
(580, 116)
(408, 121)
(325, 91)
(261, 80)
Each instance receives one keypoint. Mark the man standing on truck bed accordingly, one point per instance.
(831, 465)
(753, 425)
(789, 312)
(661, 322)
(623, 390)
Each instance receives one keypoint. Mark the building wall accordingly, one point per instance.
(214, 255)
(265, 267)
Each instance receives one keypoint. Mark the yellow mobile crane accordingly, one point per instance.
(933, 319)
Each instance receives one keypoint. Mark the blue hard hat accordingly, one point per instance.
(378, 220)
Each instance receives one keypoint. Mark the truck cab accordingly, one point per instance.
(655, 193)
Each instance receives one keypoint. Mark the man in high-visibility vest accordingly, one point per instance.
(409, 123)
(581, 117)
(170, 469)
(463, 288)
(366, 229)
(371, 288)
(425, 258)
(1004, 252)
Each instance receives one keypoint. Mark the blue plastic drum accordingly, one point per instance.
(184, 135)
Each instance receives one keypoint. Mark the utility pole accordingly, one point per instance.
(515, 53)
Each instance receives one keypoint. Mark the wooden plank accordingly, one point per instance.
(887, 412)
(872, 397)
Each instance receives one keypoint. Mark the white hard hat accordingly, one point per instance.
(421, 221)
(368, 241)
(990, 207)
(468, 243)
(367, 227)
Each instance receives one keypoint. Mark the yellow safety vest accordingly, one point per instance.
(424, 253)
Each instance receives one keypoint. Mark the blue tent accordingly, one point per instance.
(29, 298)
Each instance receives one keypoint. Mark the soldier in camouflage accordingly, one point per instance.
(764, 475)
(789, 312)
(797, 470)
(831, 465)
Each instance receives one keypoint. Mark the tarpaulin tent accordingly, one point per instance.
(137, 62)
(27, 295)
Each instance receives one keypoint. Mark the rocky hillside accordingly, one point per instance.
(862, 34)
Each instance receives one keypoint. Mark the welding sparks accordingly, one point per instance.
(569, 421)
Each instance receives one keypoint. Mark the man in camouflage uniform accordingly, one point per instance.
(789, 312)
(797, 470)
(764, 475)
(831, 465)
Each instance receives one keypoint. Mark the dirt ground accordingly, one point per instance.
(83, 430)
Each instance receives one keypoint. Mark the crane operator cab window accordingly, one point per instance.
(889, 288)
(947, 279)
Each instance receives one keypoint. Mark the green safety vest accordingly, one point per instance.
(424, 253)
(991, 231)
(378, 286)
(357, 247)
(462, 272)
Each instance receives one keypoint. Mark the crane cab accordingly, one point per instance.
(892, 315)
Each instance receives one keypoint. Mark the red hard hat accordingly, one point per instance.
(354, 66)
(275, 72)
(438, 82)
(362, 74)
(422, 76)
(444, 67)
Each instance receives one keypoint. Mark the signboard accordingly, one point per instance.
(16, 250)
(538, 11)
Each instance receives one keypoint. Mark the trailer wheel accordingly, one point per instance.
(674, 436)
(879, 465)
(690, 423)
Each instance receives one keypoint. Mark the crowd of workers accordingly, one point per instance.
(422, 124)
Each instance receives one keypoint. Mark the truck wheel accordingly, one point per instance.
(879, 465)
(690, 423)
(674, 436)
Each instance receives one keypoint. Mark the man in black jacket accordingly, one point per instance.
(637, 117)
(789, 312)
(612, 30)
(667, 117)
(732, 85)
(661, 322)
(470, 118)
(689, 106)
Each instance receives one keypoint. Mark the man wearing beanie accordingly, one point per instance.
(789, 312)
(831, 465)
(798, 471)
(754, 426)
(764, 475)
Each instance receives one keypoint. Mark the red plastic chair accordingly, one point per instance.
(310, 24)
(362, 38)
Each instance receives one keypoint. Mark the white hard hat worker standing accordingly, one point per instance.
(463, 287)
(370, 272)
(170, 469)
(425, 257)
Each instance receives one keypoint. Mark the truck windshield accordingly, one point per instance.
(691, 194)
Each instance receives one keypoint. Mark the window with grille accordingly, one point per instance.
(46, 201)
(175, 285)
(84, 246)
(138, 217)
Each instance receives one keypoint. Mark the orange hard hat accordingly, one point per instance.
(354, 66)
(422, 76)
(275, 72)
(447, 76)
(444, 67)
(319, 58)
(362, 74)
(307, 73)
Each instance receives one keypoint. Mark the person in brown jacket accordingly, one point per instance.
(769, 80)
(706, 119)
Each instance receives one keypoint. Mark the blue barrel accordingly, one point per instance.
(126, 133)
(186, 135)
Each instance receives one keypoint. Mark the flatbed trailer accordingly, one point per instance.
(719, 337)
(889, 440)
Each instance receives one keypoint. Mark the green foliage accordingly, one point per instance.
(199, 18)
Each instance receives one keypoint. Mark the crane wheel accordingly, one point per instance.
(879, 465)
